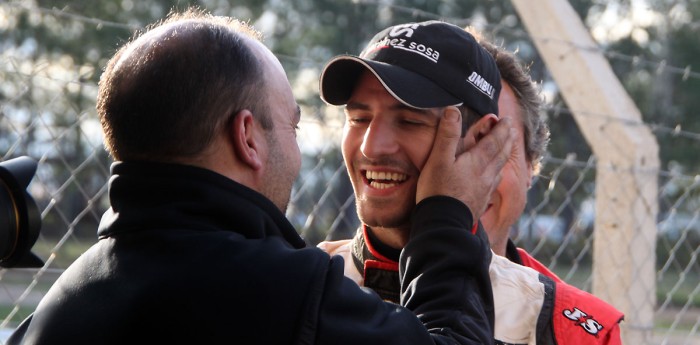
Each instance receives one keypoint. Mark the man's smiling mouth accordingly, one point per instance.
(384, 179)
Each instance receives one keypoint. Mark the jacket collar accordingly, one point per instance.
(380, 272)
(379, 268)
(512, 252)
(149, 195)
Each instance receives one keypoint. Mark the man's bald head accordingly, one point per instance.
(164, 94)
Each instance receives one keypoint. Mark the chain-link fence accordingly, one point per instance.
(45, 113)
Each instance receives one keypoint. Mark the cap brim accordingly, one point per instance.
(339, 77)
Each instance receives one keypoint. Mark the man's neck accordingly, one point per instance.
(377, 247)
(498, 241)
(499, 247)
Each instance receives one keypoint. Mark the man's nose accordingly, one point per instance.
(380, 139)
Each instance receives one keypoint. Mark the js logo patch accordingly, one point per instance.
(582, 319)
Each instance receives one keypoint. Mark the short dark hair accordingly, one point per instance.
(164, 97)
(469, 117)
(529, 99)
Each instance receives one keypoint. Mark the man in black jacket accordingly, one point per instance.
(201, 121)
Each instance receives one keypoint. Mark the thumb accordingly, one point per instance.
(442, 155)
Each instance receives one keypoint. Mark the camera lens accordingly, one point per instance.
(20, 220)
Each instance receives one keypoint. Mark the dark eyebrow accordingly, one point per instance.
(356, 106)
(397, 106)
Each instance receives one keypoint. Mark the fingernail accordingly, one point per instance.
(450, 115)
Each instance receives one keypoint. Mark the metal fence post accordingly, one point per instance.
(627, 162)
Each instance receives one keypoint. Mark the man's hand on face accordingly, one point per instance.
(469, 176)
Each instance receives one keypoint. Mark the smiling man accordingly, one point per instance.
(387, 136)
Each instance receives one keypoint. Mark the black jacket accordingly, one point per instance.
(187, 256)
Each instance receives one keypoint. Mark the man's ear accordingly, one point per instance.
(246, 142)
(479, 129)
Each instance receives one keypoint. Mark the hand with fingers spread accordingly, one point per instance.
(469, 176)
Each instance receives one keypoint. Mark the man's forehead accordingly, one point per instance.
(372, 85)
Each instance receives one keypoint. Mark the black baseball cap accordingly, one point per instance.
(428, 64)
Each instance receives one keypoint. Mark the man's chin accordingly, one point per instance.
(385, 214)
(386, 222)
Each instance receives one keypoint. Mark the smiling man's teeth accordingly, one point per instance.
(383, 179)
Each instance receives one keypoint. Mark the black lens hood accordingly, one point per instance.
(20, 221)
